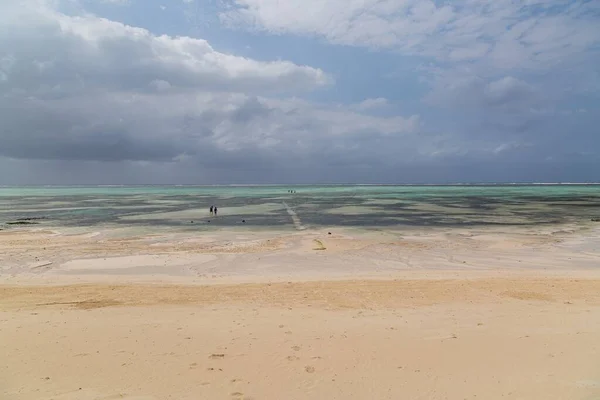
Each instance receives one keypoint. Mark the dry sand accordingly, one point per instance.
(422, 314)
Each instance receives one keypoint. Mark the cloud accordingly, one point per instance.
(82, 89)
(519, 34)
(494, 64)
(56, 53)
(112, 126)
(369, 104)
(504, 94)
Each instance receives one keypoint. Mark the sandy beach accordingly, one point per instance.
(425, 313)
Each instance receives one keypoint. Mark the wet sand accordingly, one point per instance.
(486, 313)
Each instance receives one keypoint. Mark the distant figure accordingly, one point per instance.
(215, 209)
(211, 210)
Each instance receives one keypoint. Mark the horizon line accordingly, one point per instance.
(305, 184)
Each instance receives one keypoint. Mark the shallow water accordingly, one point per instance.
(175, 207)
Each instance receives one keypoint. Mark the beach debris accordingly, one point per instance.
(41, 264)
(216, 356)
(329, 233)
(320, 245)
(26, 221)
(243, 221)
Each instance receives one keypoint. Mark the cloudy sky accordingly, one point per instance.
(299, 91)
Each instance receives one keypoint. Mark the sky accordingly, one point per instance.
(299, 91)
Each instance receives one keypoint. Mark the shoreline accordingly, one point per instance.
(427, 313)
(44, 256)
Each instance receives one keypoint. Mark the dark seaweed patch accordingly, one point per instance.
(22, 223)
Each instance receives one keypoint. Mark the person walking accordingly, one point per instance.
(215, 209)
(211, 210)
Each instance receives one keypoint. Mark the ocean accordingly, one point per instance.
(296, 207)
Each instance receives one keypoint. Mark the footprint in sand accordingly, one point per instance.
(240, 396)
(296, 348)
(310, 369)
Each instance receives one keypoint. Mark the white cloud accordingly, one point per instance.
(522, 33)
(369, 104)
(82, 88)
(79, 51)
(503, 90)
(493, 64)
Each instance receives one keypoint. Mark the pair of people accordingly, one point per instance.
(213, 210)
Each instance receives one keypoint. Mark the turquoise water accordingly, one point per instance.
(186, 207)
